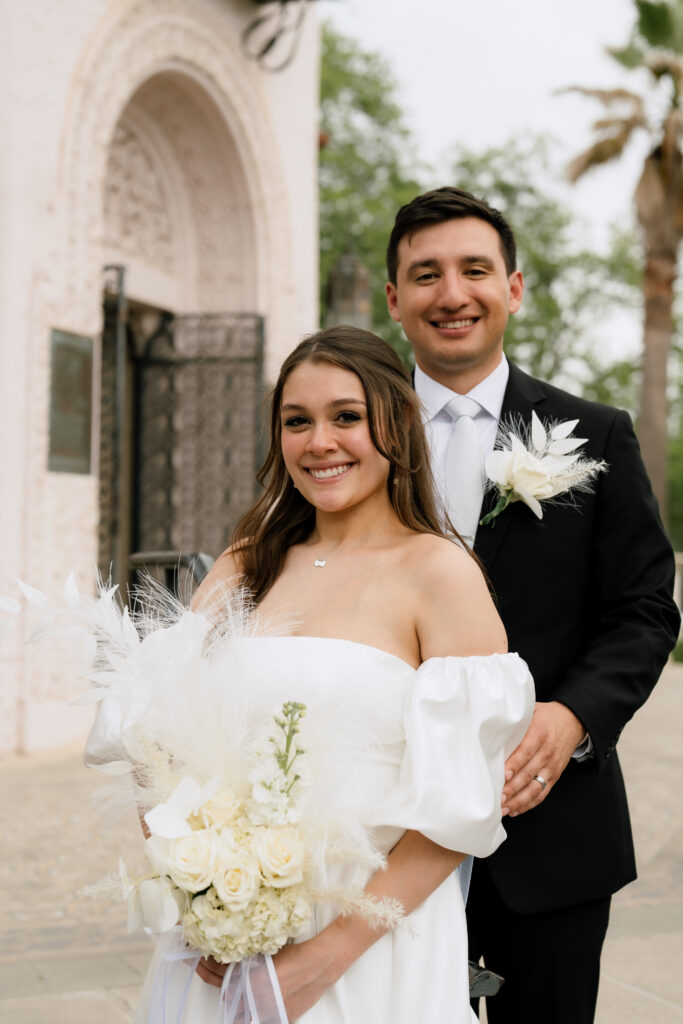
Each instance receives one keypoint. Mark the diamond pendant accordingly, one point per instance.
(320, 563)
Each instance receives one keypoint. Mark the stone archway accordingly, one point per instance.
(178, 452)
(149, 52)
(177, 209)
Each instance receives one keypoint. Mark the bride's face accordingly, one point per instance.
(326, 441)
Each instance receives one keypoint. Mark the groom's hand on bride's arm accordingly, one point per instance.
(552, 737)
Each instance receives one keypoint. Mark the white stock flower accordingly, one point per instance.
(280, 856)
(237, 880)
(192, 860)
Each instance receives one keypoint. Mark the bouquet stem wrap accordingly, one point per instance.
(250, 993)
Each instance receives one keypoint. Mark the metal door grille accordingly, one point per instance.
(198, 398)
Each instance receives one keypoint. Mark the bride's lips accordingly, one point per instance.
(328, 471)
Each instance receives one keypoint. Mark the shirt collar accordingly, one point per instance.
(489, 392)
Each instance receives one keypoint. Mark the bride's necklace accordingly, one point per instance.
(320, 563)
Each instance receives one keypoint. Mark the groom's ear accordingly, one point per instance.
(516, 290)
(392, 301)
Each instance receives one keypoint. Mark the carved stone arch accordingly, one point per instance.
(176, 202)
(128, 59)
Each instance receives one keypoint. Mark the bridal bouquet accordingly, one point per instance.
(243, 828)
(232, 870)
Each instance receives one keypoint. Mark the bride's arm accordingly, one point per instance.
(455, 614)
(416, 867)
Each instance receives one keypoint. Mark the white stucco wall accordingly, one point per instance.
(67, 74)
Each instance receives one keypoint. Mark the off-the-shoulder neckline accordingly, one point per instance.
(379, 650)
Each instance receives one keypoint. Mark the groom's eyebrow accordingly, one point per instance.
(435, 264)
(430, 264)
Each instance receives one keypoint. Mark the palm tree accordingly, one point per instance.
(656, 45)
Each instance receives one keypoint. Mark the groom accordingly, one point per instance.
(584, 593)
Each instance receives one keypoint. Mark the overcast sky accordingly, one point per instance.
(485, 71)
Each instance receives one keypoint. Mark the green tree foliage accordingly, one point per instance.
(558, 334)
(367, 166)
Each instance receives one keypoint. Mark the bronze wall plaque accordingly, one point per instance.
(71, 386)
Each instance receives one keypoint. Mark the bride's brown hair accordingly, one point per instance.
(282, 517)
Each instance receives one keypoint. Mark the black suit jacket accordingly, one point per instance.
(585, 596)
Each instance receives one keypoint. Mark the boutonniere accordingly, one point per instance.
(537, 463)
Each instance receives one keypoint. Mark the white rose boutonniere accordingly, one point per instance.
(538, 463)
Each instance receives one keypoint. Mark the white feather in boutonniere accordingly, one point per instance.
(538, 463)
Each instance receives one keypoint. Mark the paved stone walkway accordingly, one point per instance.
(65, 957)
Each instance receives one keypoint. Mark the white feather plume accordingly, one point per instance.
(169, 675)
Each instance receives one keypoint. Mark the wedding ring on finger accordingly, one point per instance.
(541, 780)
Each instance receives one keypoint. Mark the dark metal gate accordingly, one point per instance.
(199, 391)
(196, 389)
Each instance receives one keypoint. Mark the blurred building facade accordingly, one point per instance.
(158, 258)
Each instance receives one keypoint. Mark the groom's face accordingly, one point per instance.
(453, 296)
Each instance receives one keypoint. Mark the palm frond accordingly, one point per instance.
(601, 152)
(610, 97)
(610, 125)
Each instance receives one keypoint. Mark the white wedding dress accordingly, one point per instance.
(410, 749)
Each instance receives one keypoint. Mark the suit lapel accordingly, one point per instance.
(522, 395)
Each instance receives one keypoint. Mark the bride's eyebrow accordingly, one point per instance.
(292, 407)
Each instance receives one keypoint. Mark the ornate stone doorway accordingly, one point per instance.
(181, 384)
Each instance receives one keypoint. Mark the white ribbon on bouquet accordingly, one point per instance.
(250, 993)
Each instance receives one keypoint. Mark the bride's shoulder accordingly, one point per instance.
(435, 557)
(456, 614)
(225, 575)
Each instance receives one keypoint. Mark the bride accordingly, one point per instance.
(394, 626)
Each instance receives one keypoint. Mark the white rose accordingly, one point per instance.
(521, 475)
(280, 856)
(237, 880)
(230, 840)
(192, 860)
(223, 809)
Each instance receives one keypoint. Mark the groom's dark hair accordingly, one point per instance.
(442, 204)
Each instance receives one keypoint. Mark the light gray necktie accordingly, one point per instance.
(464, 468)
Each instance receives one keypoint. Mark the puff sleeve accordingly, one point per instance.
(462, 719)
